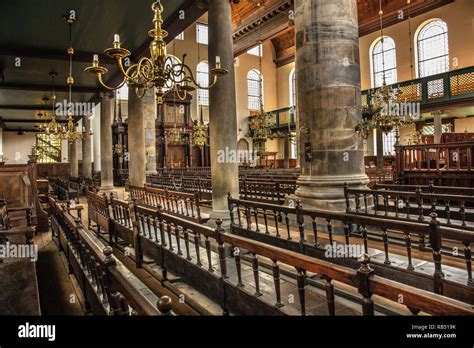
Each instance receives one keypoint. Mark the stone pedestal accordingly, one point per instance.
(86, 149)
(106, 160)
(222, 109)
(328, 84)
(74, 159)
(136, 140)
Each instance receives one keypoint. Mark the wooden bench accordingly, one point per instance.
(415, 206)
(273, 224)
(8, 230)
(99, 213)
(238, 282)
(109, 288)
(186, 205)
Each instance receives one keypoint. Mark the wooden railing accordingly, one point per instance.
(449, 86)
(176, 245)
(412, 205)
(449, 164)
(107, 285)
(272, 224)
(187, 205)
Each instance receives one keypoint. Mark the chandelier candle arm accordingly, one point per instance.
(160, 71)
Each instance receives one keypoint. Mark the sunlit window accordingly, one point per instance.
(202, 33)
(433, 49)
(202, 77)
(254, 85)
(389, 143)
(256, 51)
(384, 62)
(49, 149)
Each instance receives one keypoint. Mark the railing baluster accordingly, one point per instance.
(265, 220)
(329, 226)
(448, 212)
(300, 280)
(330, 296)
(287, 222)
(168, 231)
(315, 231)
(276, 279)
(177, 231)
(186, 243)
(255, 275)
(275, 216)
(197, 245)
(408, 246)
(385, 247)
(208, 252)
(238, 267)
(468, 257)
(462, 211)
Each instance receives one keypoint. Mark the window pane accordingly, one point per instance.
(256, 51)
(433, 49)
(389, 143)
(384, 62)
(202, 77)
(202, 33)
(180, 36)
(254, 85)
(49, 149)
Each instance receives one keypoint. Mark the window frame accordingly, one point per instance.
(251, 97)
(385, 54)
(422, 29)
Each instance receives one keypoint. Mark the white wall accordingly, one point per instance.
(18, 147)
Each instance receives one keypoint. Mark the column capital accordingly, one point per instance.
(106, 95)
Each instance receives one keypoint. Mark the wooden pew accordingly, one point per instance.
(109, 288)
(99, 213)
(6, 228)
(186, 205)
(414, 206)
(184, 248)
(272, 224)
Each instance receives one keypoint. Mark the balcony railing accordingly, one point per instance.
(448, 86)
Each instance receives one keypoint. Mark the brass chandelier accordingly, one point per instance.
(161, 71)
(53, 129)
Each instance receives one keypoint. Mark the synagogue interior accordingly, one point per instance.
(236, 158)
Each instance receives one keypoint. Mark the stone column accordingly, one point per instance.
(286, 151)
(74, 159)
(327, 66)
(222, 109)
(149, 122)
(86, 148)
(136, 140)
(379, 154)
(438, 127)
(106, 163)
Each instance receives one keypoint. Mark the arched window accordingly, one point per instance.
(255, 89)
(202, 77)
(433, 49)
(293, 88)
(384, 62)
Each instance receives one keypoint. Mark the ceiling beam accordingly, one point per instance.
(41, 107)
(46, 88)
(29, 52)
(391, 18)
(2, 124)
(257, 28)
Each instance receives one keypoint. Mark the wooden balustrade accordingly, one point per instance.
(109, 288)
(184, 248)
(272, 224)
(449, 164)
(453, 210)
(183, 204)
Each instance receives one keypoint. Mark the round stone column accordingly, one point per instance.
(86, 148)
(74, 159)
(222, 109)
(106, 163)
(329, 103)
(136, 140)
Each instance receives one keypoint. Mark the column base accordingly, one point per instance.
(224, 215)
(327, 192)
